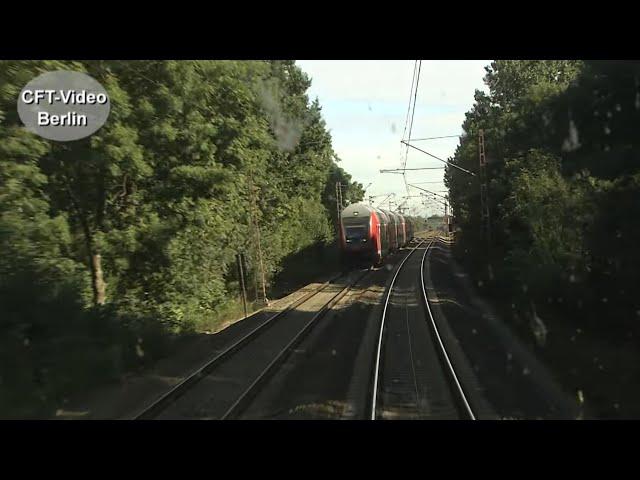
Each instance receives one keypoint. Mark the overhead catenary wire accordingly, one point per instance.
(415, 97)
(438, 158)
(413, 112)
(408, 131)
(401, 170)
(432, 138)
(403, 161)
(430, 192)
(406, 120)
(372, 202)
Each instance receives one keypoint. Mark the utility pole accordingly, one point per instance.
(447, 219)
(446, 214)
(484, 192)
(339, 200)
(256, 226)
(484, 200)
(240, 258)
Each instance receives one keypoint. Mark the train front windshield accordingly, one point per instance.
(355, 234)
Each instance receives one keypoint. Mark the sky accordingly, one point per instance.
(364, 104)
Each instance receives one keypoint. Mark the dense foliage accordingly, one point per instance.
(564, 183)
(132, 232)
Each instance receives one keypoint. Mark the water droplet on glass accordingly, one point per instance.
(572, 142)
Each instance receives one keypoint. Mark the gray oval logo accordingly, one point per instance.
(63, 105)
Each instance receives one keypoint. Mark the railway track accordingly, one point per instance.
(413, 376)
(242, 396)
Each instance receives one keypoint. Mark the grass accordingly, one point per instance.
(299, 269)
(231, 310)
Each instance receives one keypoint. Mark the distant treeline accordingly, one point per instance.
(108, 241)
(563, 155)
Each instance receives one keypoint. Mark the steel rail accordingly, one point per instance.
(169, 397)
(376, 375)
(443, 351)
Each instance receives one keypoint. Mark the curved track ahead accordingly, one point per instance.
(413, 377)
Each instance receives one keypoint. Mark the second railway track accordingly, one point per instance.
(224, 385)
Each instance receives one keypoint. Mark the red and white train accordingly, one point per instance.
(369, 234)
